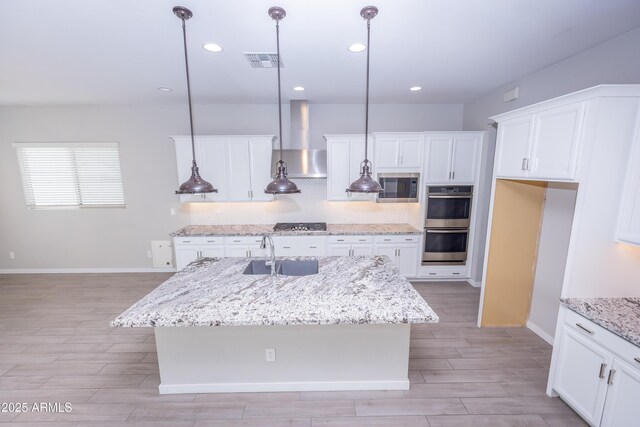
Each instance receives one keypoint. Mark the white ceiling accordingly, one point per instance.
(119, 51)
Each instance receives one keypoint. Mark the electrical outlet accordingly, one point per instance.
(12, 255)
(270, 354)
(149, 254)
(172, 211)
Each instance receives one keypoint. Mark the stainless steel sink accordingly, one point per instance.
(257, 267)
(284, 267)
(298, 268)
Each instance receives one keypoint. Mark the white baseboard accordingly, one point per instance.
(474, 283)
(539, 332)
(283, 386)
(85, 270)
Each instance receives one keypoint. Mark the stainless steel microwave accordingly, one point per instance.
(398, 187)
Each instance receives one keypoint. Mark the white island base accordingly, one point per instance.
(204, 359)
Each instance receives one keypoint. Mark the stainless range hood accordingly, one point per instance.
(302, 162)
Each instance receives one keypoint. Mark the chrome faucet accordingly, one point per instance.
(263, 245)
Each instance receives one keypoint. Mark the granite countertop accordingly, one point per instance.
(260, 229)
(346, 290)
(618, 315)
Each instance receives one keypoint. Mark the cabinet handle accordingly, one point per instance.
(637, 359)
(409, 240)
(186, 241)
(286, 247)
(211, 241)
(524, 163)
(340, 240)
(453, 175)
(350, 252)
(610, 379)
(362, 240)
(455, 274)
(602, 368)
(387, 240)
(584, 329)
(401, 160)
(312, 247)
(237, 241)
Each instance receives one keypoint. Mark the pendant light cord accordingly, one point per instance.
(186, 63)
(279, 93)
(366, 114)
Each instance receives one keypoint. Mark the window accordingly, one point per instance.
(70, 174)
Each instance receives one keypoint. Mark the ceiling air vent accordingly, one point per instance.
(263, 59)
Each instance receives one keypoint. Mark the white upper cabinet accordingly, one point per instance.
(452, 157)
(629, 220)
(540, 145)
(239, 167)
(399, 151)
(344, 155)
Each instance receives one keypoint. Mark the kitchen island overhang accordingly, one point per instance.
(345, 328)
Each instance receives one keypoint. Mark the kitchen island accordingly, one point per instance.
(345, 328)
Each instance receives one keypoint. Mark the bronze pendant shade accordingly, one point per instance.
(195, 184)
(281, 184)
(366, 183)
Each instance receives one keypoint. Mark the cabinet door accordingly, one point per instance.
(556, 136)
(212, 251)
(438, 159)
(236, 251)
(338, 169)
(411, 152)
(578, 380)
(362, 250)
(387, 152)
(408, 255)
(465, 155)
(339, 250)
(621, 407)
(389, 250)
(261, 169)
(185, 254)
(512, 147)
(239, 166)
(629, 222)
(213, 168)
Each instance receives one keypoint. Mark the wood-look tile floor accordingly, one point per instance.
(56, 346)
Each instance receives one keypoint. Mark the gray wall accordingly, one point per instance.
(615, 61)
(120, 238)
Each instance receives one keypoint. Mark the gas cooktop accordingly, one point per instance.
(300, 226)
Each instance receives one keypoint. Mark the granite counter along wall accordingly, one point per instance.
(309, 206)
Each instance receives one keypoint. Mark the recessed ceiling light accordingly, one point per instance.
(357, 47)
(164, 89)
(212, 47)
(415, 88)
(298, 88)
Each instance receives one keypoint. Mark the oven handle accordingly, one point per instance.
(463, 230)
(458, 196)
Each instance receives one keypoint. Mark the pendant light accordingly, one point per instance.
(366, 184)
(281, 184)
(195, 184)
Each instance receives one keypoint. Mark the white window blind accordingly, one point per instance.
(70, 174)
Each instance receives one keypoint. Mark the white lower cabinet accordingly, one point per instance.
(623, 397)
(350, 245)
(244, 246)
(404, 251)
(300, 245)
(593, 372)
(189, 249)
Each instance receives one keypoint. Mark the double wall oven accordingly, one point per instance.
(446, 226)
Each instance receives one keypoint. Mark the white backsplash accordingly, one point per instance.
(309, 206)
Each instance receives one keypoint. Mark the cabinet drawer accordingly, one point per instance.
(349, 239)
(444, 272)
(396, 238)
(243, 240)
(199, 240)
(621, 347)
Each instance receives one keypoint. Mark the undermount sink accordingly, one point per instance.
(298, 268)
(283, 268)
